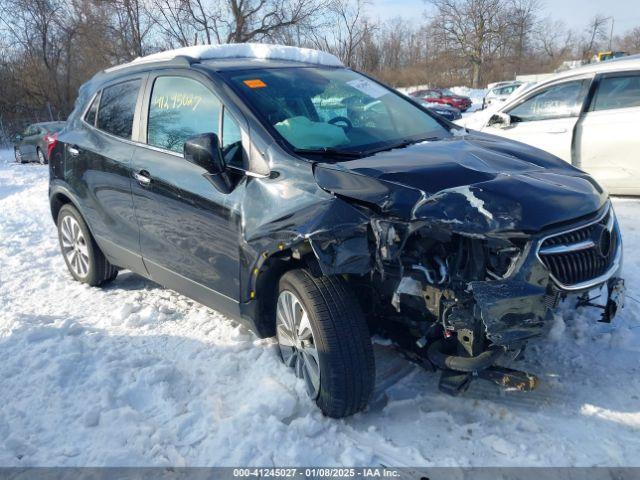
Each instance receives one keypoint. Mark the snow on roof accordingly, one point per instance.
(260, 51)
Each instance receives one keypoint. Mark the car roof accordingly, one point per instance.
(618, 64)
(216, 58)
(235, 56)
(630, 63)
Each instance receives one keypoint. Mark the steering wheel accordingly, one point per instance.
(345, 120)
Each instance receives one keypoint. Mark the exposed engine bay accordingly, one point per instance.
(461, 303)
(460, 279)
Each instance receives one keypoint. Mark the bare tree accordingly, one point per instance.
(474, 28)
(133, 23)
(554, 40)
(595, 33)
(522, 18)
(48, 48)
(232, 21)
(348, 27)
(175, 22)
(38, 28)
(630, 42)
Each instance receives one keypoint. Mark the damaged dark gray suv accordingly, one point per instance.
(313, 204)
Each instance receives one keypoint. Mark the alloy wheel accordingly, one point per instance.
(74, 246)
(296, 342)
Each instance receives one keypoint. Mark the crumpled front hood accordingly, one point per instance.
(475, 182)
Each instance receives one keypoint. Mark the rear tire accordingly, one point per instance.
(84, 259)
(340, 335)
(41, 158)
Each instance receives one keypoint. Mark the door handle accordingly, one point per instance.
(557, 130)
(142, 177)
(73, 151)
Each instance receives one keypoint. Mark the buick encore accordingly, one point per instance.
(314, 204)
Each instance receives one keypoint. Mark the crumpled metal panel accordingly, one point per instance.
(357, 215)
(473, 183)
(512, 311)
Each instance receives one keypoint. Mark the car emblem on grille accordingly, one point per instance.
(602, 239)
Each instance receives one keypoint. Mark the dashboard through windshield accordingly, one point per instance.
(332, 109)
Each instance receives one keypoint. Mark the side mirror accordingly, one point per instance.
(18, 138)
(204, 150)
(500, 120)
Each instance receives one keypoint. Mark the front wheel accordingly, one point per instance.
(18, 154)
(322, 334)
(84, 259)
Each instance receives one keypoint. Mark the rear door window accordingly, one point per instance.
(557, 101)
(619, 91)
(117, 108)
(180, 108)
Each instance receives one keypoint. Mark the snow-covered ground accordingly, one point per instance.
(137, 375)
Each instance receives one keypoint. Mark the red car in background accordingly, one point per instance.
(442, 95)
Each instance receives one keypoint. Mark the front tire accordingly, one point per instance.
(84, 259)
(323, 335)
(18, 154)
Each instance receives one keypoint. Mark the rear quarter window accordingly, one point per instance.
(117, 108)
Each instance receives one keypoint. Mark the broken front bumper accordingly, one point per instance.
(578, 260)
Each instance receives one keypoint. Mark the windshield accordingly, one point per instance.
(332, 109)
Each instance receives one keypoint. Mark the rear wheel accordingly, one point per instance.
(323, 336)
(85, 261)
(41, 159)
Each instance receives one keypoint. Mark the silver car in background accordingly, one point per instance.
(32, 145)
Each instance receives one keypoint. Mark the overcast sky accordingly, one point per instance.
(576, 13)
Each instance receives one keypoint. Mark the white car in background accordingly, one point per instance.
(500, 92)
(589, 116)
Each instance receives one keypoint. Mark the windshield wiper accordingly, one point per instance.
(329, 152)
(403, 143)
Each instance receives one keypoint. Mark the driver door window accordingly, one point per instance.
(180, 108)
(558, 101)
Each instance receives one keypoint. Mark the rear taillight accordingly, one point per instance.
(52, 140)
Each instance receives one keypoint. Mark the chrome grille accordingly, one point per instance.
(583, 254)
